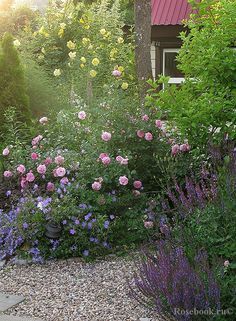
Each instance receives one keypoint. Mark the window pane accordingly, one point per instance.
(171, 65)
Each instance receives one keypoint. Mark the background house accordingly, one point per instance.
(167, 23)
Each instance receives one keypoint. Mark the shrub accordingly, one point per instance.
(12, 81)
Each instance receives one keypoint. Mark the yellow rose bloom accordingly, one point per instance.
(93, 73)
(120, 40)
(121, 69)
(61, 33)
(71, 45)
(103, 32)
(57, 72)
(125, 85)
(63, 25)
(95, 62)
(85, 41)
(72, 54)
(83, 60)
(82, 65)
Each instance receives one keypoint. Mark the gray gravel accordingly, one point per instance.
(72, 290)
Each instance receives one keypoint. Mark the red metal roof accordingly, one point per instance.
(170, 12)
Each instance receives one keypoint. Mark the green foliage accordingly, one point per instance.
(12, 81)
(203, 107)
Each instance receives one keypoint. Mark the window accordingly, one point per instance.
(153, 59)
(170, 66)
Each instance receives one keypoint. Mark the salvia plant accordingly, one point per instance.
(174, 287)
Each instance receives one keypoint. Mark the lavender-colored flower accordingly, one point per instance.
(64, 222)
(106, 224)
(87, 217)
(72, 231)
(86, 252)
(8, 193)
(77, 222)
(25, 225)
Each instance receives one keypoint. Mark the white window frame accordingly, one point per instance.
(172, 80)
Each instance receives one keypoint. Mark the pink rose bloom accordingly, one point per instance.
(124, 161)
(184, 147)
(96, 186)
(59, 160)
(50, 187)
(23, 182)
(106, 136)
(82, 115)
(106, 160)
(41, 169)
(6, 151)
(158, 123)
(30, 177)
(103, 155)
(34, 147)
(123, 180)
(145, 117)
(175, 149)
(36, 140)
(116, 73)
(34, 156)
(55, 172)
(43, 120)
(137, 184)
(226, 263)
(48, 161)
(21, 169)
(60, 172)
(140, 133)
(119, 159)
(148, 224)
(64, 181)
(7, 174)
(148, 136)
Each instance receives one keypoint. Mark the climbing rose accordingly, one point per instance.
(145, 118)
(50, 187)
(148, 136)
(21, 169)
(6, 151)
(123, 180)
(124, 161)
(82, 115)
(59, 160)
(30, 177)
(158, 123)
(60, 171)
(106, 136)
(140, 133)
(34, 156)
(148, 224)
(57, 72)
(116, 73)
(64, 181)
(119, 159)
(41, 169)
(36, 140)
(96, 186)
(43, 120)
(103, 155)
(7, 174)
(106, 160)
(137, 184)
(48, 161)
(175, 149)
(184, 147)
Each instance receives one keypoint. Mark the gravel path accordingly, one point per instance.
(74, 291)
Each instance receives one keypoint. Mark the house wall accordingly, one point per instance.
(164, 37)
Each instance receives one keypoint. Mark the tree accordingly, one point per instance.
(12, 81)
(142, 12)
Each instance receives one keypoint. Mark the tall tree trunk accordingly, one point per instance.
(142, 11)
